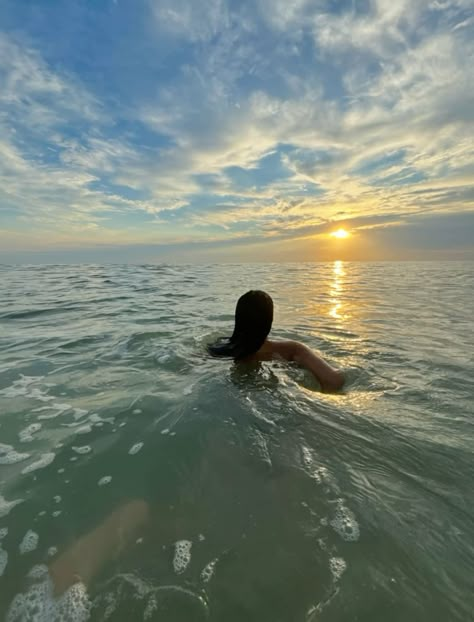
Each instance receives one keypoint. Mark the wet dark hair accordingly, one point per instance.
(253, 321)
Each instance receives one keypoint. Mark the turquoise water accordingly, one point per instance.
(267, 500)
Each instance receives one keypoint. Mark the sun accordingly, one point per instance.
(340, 234)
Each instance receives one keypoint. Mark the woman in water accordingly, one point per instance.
(76, 567)
(253, 321)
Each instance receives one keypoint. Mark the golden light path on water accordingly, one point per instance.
(336, 289)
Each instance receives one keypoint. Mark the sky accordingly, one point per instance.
(225, 130)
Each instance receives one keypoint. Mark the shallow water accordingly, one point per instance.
(268, 500)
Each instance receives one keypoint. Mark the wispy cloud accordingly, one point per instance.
(261, 119)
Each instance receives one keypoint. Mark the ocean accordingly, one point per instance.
(258, 497)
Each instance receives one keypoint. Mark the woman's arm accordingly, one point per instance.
(87, 556)
(329, 378)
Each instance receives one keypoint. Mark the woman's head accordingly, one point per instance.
(253, 321)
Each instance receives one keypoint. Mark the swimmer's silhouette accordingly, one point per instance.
(249, 341)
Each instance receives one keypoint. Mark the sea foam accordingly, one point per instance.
(29, 542)
(345, 523)
(182, 555)
(6, 506)
(38, 603)
(41, 463)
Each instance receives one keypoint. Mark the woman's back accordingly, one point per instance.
(249, 341)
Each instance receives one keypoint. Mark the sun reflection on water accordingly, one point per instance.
(336, 290)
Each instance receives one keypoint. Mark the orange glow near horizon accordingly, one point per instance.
(340, 234)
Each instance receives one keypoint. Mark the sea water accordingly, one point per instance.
(267, 499)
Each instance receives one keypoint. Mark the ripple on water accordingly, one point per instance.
(123, 359)
(150, 602)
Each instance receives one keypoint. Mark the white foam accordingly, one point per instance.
(208, 571)
(52, 551)
(26, 435)
(29, 542)
(182, 555)
(38, 603)
(22, 386)
(96, 418)
(3, 532)
(38, 572)
(62, 407)
(8, 455)
(3, 560)
(165, 431)
(6, 506)
(307, 457)
(337, 566)
(85, 449)
(80, 412)
(43, 462)
(58, 409)
(320, 473)
(84, 429)
(57, 498)
(56, 513)
(345, 523)
(137, 411)
(135, 448)
(104, 480)
(150, 608)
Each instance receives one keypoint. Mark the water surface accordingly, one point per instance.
(268, 500)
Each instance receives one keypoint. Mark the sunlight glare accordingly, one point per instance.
(336, 290)
(340, 234)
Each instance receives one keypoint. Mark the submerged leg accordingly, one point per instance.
(86, 557)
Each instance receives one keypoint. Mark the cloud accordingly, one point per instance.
(33, 95)
(52, 148)
(196, 22)
(259, 117)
